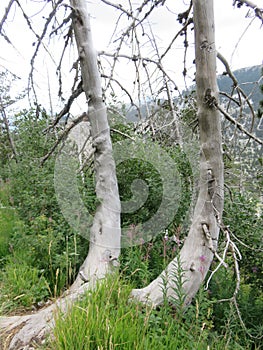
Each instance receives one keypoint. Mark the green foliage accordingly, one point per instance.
(9, 224)
(106, 319)
(32, 184)
(45, 241)
(22, 286)
(9, 221)
(142, 263)
(242, 216)
(245, 223)
(37, 245)
(152, 162)
(7, 81)
(225, 315)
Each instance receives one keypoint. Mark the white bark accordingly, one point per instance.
(20, 331)
(198, 250)
(105, 233)
(201, 243)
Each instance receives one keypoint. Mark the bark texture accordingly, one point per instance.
(19, 332)
(28, 331)
(105, 233)
(198, 250)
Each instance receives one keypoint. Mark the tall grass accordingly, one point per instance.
(107, 319)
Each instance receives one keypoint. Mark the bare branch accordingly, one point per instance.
(257, 10)
(125, 90)
(122, 134)
(41, 37)
(67, 106)
(62, 137)
(239, 125)
(119, 7)
(144, 61)
(6, 123)
(237, 87)
(188, 21)
(229, 97)
(7, 10)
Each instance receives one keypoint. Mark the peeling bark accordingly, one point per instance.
(198, 250)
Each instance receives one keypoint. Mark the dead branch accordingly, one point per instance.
(257, 10)
(76, 93)
(67, 39)
(62, 137)
(239, 125)
(143, 60)
(9, 136)
(238, 88)
(169, 97)
(41, 37)
(125, 90)
(229, 97)
(121, 8)
(7, 10)
(122, 133)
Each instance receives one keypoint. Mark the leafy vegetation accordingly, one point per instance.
(40, 256)
(107, 319)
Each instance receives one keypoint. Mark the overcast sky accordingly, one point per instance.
(238, 35)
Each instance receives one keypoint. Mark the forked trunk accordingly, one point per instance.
(198, 250)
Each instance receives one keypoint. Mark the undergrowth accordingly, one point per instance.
(106, 319)
(40, 256)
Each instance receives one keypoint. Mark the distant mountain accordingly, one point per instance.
(247, 78)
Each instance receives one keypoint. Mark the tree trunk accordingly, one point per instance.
(104, 249)
(198, 250)
(105, 233)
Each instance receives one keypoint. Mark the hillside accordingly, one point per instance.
(247, 78)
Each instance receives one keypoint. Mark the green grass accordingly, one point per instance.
(107, 319)
(9, 221)
(7, 218)
(21, 286)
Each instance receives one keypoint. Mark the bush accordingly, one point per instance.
(46, 241)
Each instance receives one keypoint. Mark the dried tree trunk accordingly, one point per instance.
(20, 331)
(198, 250)
(105, 232)
(201, 243)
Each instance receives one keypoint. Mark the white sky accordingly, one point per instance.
(236, 33)
(238, 37)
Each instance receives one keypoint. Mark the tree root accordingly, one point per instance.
(27, 331)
